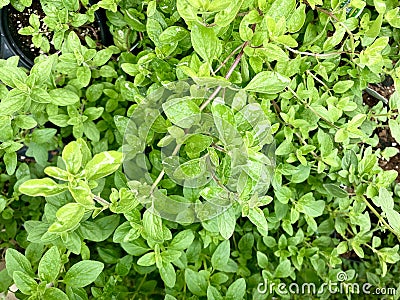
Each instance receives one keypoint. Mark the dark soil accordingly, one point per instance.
(385, 89)
(24, 42)
(20, 20)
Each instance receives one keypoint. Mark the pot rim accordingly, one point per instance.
(12, 45)
(9, 39)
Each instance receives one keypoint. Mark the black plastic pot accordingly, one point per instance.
(9, 43)
(10, 40)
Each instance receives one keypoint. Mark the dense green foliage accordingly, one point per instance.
(262, 72)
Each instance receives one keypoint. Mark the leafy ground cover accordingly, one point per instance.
(146, 168)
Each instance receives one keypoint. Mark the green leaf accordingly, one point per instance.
(50, 265)
(83, 273)
(191, 169)
(268, 82)
(335, 190)
(103, 164)
(4, 3)
(59, 120)
(197, 143)
(394, 219)
(42, 70)
(341, 135)
(135, 248)
(41, 187)
(356, 121)
(283, 270)
(280, 9)
(256, 216)
(395, 129)
(196, 282)
(221, 255)
(357, 249)
(54, 294)
(182, 112)
(262, 260)
(147, 260)
(170, 255)
(297, 19)
(16, 261)
(102, 57)
(63, 97)
(71, 4)
(205, 42)
(13, 102)
(182, 240)
(213, 294)
(10, 159)
(274, 52)
(224, 120)
(301, 174)
(130, 69)
(380, 6)
(384, 200)
(99, 230)
(173, 34)
(310, 207)
(226, 223)
(25, 122)
(25, 283)
(343, 86)
(228, 15)
(72, 157)
(91, 131)
(84, 75)
(57, 173)
(41, 136)
(124, 265)
(40, 95)
(393, 17)
(127, 202)
(11, 75)
(3, 203)
(167, 273)
(236, 290)
(68, 217)
(375, 27)
(153, 226)
(82, 193)
(335, 39)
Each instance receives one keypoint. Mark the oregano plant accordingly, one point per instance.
(206, 150)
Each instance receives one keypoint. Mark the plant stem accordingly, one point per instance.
(139, 286)
(317, 79)
(228, 57)
(380, 218)
(100, 200)
(314, 54)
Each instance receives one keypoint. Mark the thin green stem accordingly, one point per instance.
(229, 57)
(380, 218)
(314, 54)
(101, 200)
(139, 286)
(317, 79)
